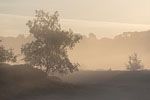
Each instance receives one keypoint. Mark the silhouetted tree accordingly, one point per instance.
(6, 55)
(49, 49)
(134, 63)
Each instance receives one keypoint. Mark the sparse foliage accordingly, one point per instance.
(49, 49)
(6, 55)
(134, 63)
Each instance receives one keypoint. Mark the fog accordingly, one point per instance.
(105, 53)
(99, 54)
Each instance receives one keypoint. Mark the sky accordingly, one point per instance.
(105, 18)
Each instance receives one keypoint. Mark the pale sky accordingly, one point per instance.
(105, 18)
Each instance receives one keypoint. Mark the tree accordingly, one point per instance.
(6, 55)
(49, 49)
(134, 63)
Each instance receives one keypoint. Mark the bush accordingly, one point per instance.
(134, 63)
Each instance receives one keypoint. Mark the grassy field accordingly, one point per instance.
(113, 85)
(21, 82)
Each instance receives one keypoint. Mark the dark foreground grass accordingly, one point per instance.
(113, 85)
(23, 81)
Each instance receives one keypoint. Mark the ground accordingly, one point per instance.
(25, 83)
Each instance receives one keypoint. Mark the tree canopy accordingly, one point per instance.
(6, 55)
(49, 49)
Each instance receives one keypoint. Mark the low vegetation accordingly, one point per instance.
(21, 81)
(134, 63)
(6, 55)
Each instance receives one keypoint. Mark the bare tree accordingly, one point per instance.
(49, 49)
(134, 63)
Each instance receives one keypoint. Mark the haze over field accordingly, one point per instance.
(100, 54)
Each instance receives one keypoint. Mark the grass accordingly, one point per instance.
(17, 81)
(22, 82)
